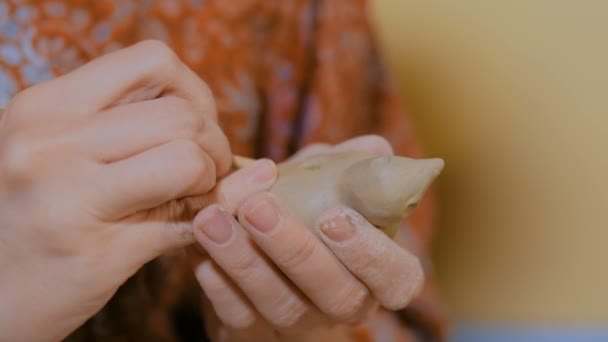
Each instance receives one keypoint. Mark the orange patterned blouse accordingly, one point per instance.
(285, 73)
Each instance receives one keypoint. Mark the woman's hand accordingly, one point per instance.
(94, 169)
(270, 278)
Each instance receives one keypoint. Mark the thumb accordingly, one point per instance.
(152, 233)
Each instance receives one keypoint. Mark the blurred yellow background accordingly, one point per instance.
(514, 95)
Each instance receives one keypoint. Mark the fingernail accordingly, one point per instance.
(262, 171)
(215, 225)
(264, 216)
(340, 227)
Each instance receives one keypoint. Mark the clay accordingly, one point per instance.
(384, 190)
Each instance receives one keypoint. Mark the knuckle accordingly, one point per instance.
(22, 103)
(245, 266)
(369, 260)
(205, 101)
(369, 257)
(207, 95)
(211, 282)
(162, 58)
(196, 172)
(182, 114)
(175, 104)
(288, 310)
(300, 254)
(19, 159)
(347, 304)
(224, 154)
(241, 319)
(190, 153)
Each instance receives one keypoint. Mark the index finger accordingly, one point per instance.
(142, 71)
(153, 232)
(233, 190)
(302, 257)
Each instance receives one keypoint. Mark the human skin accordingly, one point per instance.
(102, 170)
(269, 277)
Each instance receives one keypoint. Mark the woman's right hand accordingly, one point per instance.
(94, 169)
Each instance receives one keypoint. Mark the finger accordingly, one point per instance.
(393, 275)
(233, 190)
(140, 238)
(367, 143)
(161, 174)
(231, 248)
(229, 303)
(217, 330)
(143, 71)
(302, 257)
(127, 130)
(164, 228)
(124, 131)
(154, 232)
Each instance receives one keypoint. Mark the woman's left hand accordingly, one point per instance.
(269, 278)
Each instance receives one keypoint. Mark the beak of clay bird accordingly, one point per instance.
(385, 190)
(421, 177)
